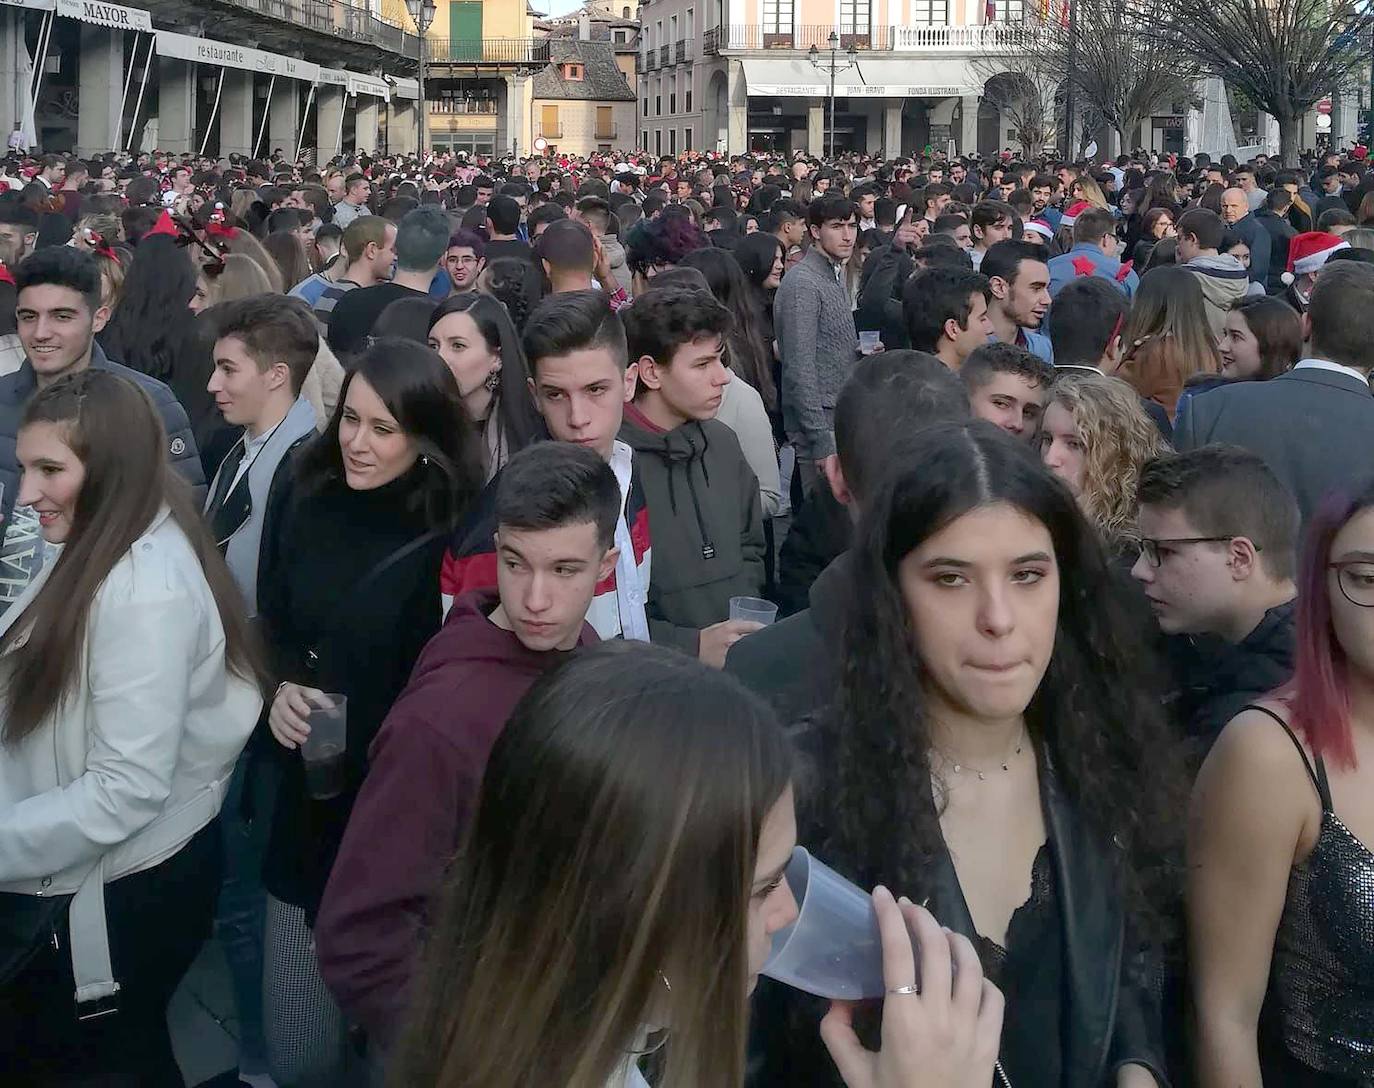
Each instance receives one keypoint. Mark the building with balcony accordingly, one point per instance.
(222, 76)
(736, 75)
(582, 102)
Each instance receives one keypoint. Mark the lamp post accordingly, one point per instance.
(834, 67)
(422, 14)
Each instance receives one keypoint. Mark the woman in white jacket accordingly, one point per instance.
(128, 685)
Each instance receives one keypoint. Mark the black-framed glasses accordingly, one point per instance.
(1356, 579)
(1149, 547)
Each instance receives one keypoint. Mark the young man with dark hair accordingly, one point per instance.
(990, 222)
(464, 260)
(1217, 562)
(1019, 295)
(1009, 386)
(542, 218)
(954, 226)
(1041, 188)
(787, 220)
(264, 348)
(571, 256)
(888, 398)
(556, 508)
(704, 510)
(354, 203)
(934, 197)
(59, 313)
(1089, 314)
(1312, 424)
(421, 241)
(18, 232)
(817, 341)
(503, 220)
(1094, 253)
(945, 311)
(1223, 279)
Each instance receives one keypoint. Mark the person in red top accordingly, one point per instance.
(556, 511)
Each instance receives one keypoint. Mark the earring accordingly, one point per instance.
(493, 382)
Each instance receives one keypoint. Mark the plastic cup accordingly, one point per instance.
(833, 949)
(753, 608)
(323, 750)
(868, 342)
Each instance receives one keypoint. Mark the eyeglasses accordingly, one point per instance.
(1356, 579)
(1149, 548)
(463, 260)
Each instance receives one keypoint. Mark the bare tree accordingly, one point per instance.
(1021, 88)
(1284, 55)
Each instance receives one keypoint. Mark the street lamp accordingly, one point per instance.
(422, 14)
(834, 68)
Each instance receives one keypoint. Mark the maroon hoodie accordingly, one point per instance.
(421, 785)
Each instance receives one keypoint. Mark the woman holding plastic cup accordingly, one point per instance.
(347, 595)
(995, 753)
(599, 905)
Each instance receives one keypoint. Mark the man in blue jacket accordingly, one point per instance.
(1094, 253)
(59, 313)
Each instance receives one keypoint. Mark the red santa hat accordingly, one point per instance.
(1073, 211)
(1040, 227)
(1308, 252)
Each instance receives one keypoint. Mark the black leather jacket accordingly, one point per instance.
(1112, 1014)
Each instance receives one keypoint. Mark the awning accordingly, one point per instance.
(405, 88)
(111, 15)
(876, 77)
(32, 5)
(373, 86)
(224, 55)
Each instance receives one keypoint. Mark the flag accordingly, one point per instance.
(989, 11)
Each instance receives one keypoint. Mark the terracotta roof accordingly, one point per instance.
(603, 81)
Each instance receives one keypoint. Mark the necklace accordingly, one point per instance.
(960, 768)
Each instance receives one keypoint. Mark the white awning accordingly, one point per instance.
(224, 55)
(405, 88)
(111, 15)
(32, 5)
(876, 77)
(374, 86)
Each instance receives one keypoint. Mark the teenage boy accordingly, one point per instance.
(581, 377)
(1217, 559)
(464, 260)
(990, 222)
(264, 347)
(556, 511)
(369, 251)
(59, 313)
(945, 311)
(814, 321)
(1009, 386)
(704, 511)
(1019, 295)
(1223, 279)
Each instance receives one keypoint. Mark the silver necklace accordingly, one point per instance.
(960, 768)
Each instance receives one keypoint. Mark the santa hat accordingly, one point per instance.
(1308, 252)
(1040, 227)
(165, 225)
(1074, 210)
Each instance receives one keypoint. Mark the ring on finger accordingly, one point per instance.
(912, 989)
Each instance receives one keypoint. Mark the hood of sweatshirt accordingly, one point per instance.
(679, 450)
(1224, 279)
(469, 638)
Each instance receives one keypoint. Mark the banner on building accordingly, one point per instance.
(224, 55)
(111, 15)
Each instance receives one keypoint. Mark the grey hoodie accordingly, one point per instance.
(1224, 280)
(615, 253)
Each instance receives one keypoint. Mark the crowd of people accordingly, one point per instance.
(1059, 474)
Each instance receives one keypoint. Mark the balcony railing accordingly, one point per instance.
(650, 61)
(607, 131)
(680, 51)
(462, 105)
(982, 36)
(337, 18)
(662, 54)
(551, 132)
(528, 51)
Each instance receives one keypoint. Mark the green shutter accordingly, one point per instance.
(465, 29)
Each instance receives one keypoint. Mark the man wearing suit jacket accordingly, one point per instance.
(1312, 425)
(264, 347)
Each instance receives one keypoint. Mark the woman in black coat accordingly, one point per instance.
(348, 595)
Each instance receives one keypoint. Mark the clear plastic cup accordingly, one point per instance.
(753, 608)
(868, 342)
(833, 949)
(323, 750)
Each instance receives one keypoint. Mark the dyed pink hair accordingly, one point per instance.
(1318, 695)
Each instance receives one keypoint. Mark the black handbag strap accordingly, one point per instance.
(365, 582)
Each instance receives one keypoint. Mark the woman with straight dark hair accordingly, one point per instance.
(750, 354)
(152, 324)
(517, 284)
(1279, 859)
(131, 683)
(995, 752)
(477, 340)
(1261, 339)
(346, 594)
(600, 906)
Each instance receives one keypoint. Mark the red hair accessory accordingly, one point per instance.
(97, 242)
(217, 229)
(165, 225)
(6, 276)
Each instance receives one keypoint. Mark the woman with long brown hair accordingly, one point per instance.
(599, 905)
(130, 686)
(1167, 337)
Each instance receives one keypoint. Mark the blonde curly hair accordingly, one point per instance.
(1117, 438)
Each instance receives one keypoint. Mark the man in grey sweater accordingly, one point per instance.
(814, 323)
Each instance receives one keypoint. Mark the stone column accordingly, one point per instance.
(176, 105)
(968, 124)
(815, 128)
(329, 107)
(101, 83)
(892, 130)
(513, 131)
(236, 133)
(13, 92)
(365, 123)
(737, 92)
(283, 117)
(400, 126)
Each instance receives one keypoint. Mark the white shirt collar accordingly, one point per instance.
(1336, 368)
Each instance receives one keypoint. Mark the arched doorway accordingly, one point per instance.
(717, 131)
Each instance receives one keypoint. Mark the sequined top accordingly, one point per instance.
(1321, 988)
